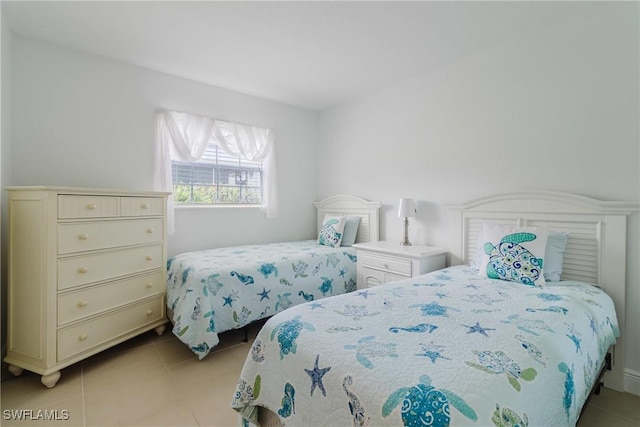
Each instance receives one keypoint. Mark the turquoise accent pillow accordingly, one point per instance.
(332, 230)
(554, 255)
(514, 254)
(350, 230)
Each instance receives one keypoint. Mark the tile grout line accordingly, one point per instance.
(166, 366)
(617, 414)
(175, 385)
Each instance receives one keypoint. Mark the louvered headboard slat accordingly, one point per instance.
(582, 258)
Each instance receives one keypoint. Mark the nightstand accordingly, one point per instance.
(383, 261)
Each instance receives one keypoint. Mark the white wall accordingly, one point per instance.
(82, 120)
(553, 110)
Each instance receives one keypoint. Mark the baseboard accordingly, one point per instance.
(632, 382)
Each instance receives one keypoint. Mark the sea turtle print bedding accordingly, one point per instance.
(445, 348)
(216, 290)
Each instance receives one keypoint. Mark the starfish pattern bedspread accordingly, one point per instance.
(445, 348)
(216, 290)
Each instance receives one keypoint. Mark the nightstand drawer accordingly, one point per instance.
(389, 263)
(373, 277)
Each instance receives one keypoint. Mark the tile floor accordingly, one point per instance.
(156, 381)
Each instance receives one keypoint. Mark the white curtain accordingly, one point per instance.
(182, 136)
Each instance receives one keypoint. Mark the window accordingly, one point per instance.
(217, 178)
(214, 163)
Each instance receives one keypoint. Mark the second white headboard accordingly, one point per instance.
(596, 251)
(344, 204)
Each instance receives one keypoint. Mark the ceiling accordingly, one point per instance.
(312, 55)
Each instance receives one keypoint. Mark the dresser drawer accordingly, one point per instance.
(389, 263)
(78, 338)
(142, 206)
(80, 270)
(87, 236)
(89, 301)
(88, 206)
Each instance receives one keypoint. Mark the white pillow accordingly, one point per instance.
(515, 254)
(554, 255)
(332, 230)
(350, 230)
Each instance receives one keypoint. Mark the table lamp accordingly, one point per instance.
(407, 209)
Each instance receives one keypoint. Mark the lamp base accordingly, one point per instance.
(406, 241)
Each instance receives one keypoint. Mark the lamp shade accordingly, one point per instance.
(407, 208)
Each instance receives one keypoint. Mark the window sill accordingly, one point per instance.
(229, 206)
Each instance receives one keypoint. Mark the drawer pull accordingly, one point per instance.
(91, 206)
(149, 312)
(149, 258)
(144, 206)
(83, 337)
(149, 285)
(83, 236)
(83, 270)
(150, 230)
(83, 303)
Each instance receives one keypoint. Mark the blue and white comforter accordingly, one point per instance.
(443, 348)
(217, 290)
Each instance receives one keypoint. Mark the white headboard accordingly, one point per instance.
(596, 250)
(343, 204)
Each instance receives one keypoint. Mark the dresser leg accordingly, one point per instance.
(15, 370)
(51, 379)
(160, 329)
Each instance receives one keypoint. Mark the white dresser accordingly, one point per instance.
(87, 270)
(383, 261)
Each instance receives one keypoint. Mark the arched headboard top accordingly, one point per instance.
(545, 201)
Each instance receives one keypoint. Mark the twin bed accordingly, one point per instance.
(453, 347)
(216, 290)
(443, 348)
